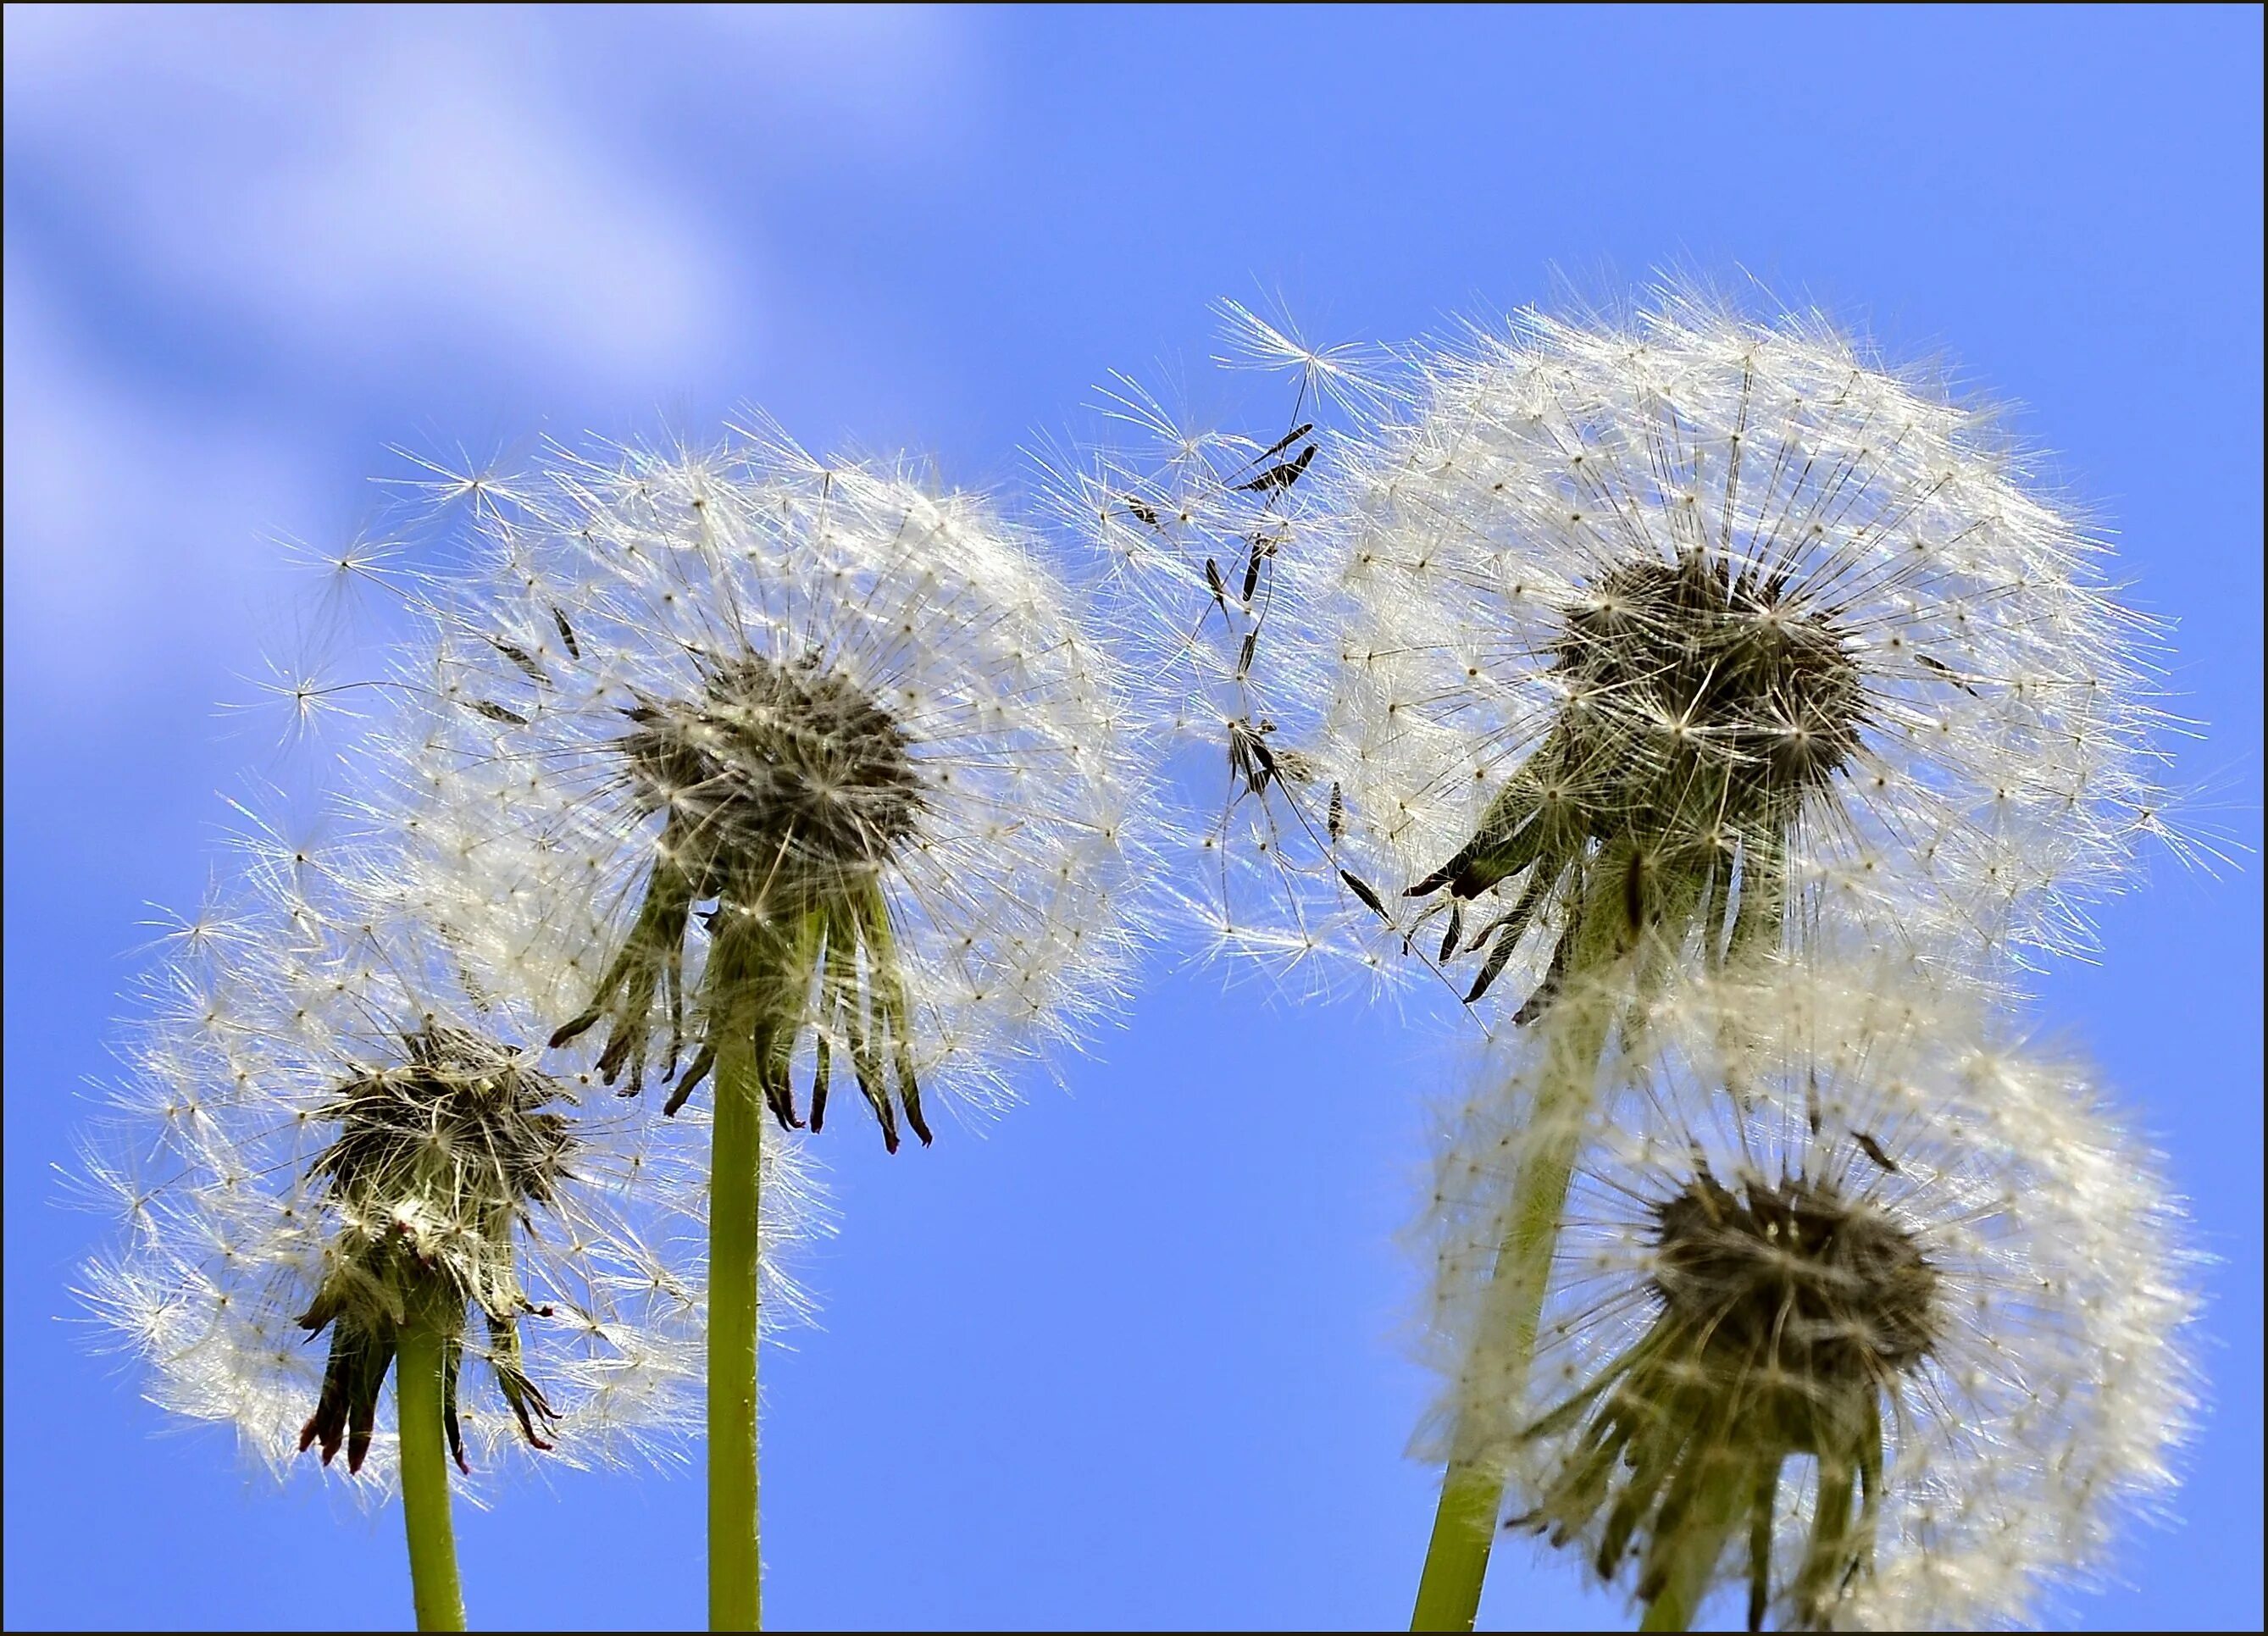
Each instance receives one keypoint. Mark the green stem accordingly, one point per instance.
(1472, 1488)
(735, 1567)
(1457, 1557)
(420, 1392)
(1693, 1566)
(1680, 1599)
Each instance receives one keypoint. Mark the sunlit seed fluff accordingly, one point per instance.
(322, 1135)
(1858, 1315)
(1195, 525)
(734, 745)
(1700, 628)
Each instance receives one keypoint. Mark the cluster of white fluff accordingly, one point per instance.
(227, 1226)
(2002, 769)
(2049, 1387)
(624, 581)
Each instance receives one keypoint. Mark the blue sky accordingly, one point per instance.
(1135, 1356)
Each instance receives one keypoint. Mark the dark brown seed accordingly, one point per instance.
(1945, 671)
(522, 658)
(1370, 898)
(1285, 441)
(1281, 477)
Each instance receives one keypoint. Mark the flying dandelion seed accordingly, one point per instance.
(1196, 530)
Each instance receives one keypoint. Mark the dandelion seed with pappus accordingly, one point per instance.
(1857, 1310)
(770, 774)
(1194, 529)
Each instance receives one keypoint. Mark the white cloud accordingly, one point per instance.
(132, 533)
(894, 80)
(484, 206)
(334, 178)
(519, 183)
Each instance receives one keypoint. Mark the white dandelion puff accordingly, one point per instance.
(1712, 632)
(322, 1137)
(1855, 1308)
(777, 776)
(737, 745)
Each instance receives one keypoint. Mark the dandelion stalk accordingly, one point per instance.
(1457, 1557)
(735, 1564)
(422, 1390)
(1472, 1488)
(1693, 1569)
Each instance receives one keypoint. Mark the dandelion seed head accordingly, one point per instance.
(741, 748)
(1878, 1310)
(440, 1156)
(773, 754)
(321, 1131)
(1678, 618)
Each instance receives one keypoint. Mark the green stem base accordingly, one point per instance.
(420, 1395)
(1472, 1488)
(1457, 1558)
(735, 1566)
